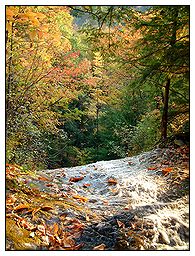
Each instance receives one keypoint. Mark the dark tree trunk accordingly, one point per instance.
(165, 111)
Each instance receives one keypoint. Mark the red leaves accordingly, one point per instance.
(76, 179)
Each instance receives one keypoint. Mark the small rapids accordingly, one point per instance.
(139, 202)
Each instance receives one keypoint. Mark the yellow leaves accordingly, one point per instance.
(9, 26)
(24, 62)
(40, 16)
(66, 45)
(30, 17)
(32, 35)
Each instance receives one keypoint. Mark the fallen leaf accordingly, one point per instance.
(76, 234)
(152, 168)
(167, 170)
(100, 247)
(86, 185)
(112, 181)
(76, 226)
(87, 217)
(21, 207)
(43, 178)
(127, 207)
(46, 208)
(10, 200)
(105, 202)
(55, 228)
(76, 179)
(41, 228)
(67, 242)
(74, 248)
(34, 212)
(120, 224)
(80, 198)
(25, 224)
(49, 185)
(45, 239)
(133, 225)
(113, 190)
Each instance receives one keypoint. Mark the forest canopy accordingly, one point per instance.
(89, 83)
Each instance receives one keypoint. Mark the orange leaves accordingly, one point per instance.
(21, 207)
(112, 181)
(11, 12)
(80, 198)
(60, 239)
(43, 178)
(55, 228)
(33, 210)
(76, 179)
(12, 170)
(167, 170)
(25, 224)
(86, 185)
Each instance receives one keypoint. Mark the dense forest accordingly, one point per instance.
(90, 83)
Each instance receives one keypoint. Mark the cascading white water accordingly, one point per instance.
(137, 189)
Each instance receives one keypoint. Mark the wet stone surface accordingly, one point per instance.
(134, 206)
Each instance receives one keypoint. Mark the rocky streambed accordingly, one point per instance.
(135, 203)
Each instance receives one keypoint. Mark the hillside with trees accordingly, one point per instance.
(94, 83)
(97, 127)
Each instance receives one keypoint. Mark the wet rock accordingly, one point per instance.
(163, 237)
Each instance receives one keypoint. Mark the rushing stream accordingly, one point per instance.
(134, 190)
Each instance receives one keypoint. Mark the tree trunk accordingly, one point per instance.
(165, 111)
(97, 129)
